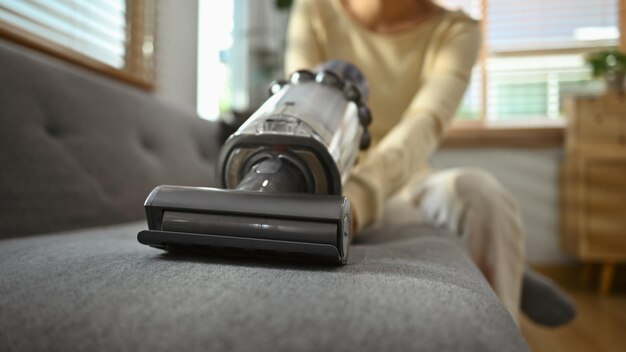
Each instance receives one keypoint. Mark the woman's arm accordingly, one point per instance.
(409, 144)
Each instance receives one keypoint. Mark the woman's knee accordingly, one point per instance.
(478, 188)
(490, 204)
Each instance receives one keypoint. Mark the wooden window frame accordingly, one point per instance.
(481, 134)
(475, 134)
(134, 63)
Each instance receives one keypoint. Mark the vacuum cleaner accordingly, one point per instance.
(281, 175)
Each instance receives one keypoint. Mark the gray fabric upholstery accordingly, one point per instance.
(408, 288)
(79, 150)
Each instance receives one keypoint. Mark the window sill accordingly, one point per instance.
(505, 135)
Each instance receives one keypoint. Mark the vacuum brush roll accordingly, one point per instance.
(300, 225)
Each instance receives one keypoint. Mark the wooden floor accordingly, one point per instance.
(599, 326)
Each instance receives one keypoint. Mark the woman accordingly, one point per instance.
(417, 59)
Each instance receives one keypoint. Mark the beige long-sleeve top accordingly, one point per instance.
(416, 80)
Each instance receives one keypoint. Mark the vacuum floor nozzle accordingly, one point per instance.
(304, 225)
(281, 175)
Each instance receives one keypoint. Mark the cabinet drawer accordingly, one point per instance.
(605, 188)
(597, 125)
(605, 207)
(597, 119)
(606, 174)
(605, 247)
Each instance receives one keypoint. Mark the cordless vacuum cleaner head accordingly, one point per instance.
(281, 173)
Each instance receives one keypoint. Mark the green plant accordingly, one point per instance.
(607, 62)
(283, 4)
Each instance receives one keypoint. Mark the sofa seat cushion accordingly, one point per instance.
(407, 288)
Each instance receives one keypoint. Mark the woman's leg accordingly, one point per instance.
(472, 204)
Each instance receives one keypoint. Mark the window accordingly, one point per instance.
(114, 37)
(533, 55)
(215, 45)
(240, 51)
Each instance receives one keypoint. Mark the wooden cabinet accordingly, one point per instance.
(593, 182)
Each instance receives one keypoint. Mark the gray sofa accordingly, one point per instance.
(79, 154)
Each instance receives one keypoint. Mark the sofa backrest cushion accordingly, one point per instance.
(78, 149)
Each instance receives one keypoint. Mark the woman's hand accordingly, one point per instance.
(354, 223)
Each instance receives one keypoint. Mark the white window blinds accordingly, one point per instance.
(533, 54)
(116, 33)
(94, 28)
(514, 25)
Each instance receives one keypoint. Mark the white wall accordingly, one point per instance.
(177, 52)
(532, 176)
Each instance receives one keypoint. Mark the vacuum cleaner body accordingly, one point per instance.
(281, 175)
